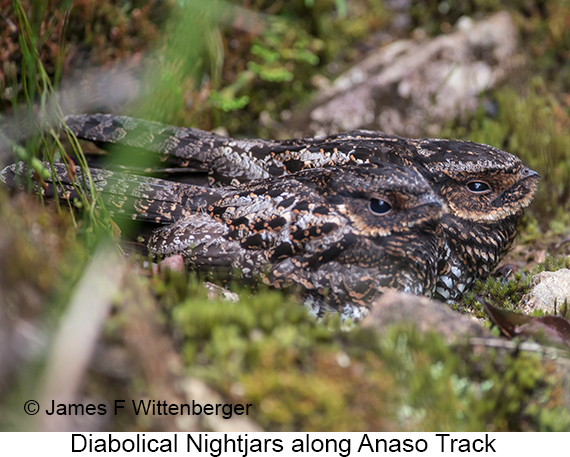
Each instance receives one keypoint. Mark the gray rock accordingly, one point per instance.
(546, 289)
(413, 87)
(427, 315)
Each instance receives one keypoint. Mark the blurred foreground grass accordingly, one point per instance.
(209, 66)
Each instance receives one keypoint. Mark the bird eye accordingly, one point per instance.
(479, 187)
(378, 206)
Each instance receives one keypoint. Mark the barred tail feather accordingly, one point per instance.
(152, 136)
(125, 195)
(182, 151)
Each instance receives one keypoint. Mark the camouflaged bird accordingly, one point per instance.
(483, 189)
(343, 234)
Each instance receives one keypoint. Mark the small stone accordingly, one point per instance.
(410, 84)
(173, 263)
(548, 291)
(427, 315)
(216, 292)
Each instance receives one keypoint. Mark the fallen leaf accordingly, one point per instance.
(546, 329)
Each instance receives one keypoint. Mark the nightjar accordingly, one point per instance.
(483, 189)
(343, 235)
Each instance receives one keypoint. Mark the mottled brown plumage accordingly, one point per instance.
(343, 234)
(483, 189)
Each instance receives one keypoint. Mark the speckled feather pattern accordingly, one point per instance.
(478, 228)
(315, 229)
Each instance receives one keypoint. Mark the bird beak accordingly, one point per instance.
(431, 200)
(528, 173)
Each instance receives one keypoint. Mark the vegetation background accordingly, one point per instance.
(241, 68)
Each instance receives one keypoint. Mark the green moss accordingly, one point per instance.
(553, 263)
(508, 391)
(502, 293)
(301, 374)
(508, 293)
